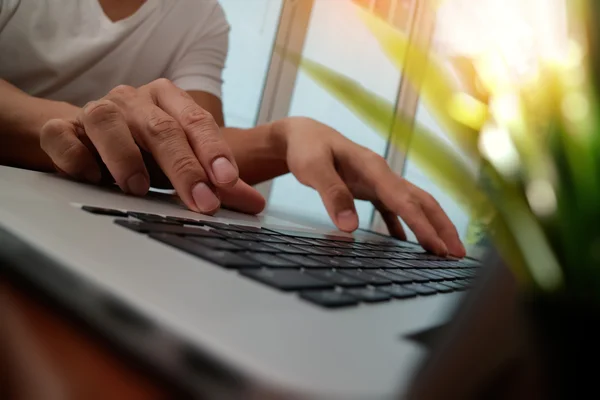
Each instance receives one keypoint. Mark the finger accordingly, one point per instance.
(392, 222)
(440, 221)
(201, 130)
(394, 194)
(105, 125)
(169, 145)
(242, 197)
(320, 174)
(58, 138)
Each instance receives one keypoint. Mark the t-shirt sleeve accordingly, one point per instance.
(201, 66)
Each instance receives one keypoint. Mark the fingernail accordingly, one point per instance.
(224, 171)
(204, 198)
(347, 220)
(138, 184)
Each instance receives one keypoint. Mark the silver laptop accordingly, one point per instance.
(231, 305)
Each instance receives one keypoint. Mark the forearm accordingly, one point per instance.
(21, 120)
(260, 152)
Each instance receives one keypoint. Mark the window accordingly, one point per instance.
(339, 39)
(520, 30)
(253, 29)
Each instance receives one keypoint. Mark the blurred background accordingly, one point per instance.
(260, 86)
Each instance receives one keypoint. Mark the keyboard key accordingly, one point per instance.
(368, 295)
(394, 255)
(450, 272)
(467, 262)
(304, 261)
(264, 238)
(397, 291)
(231, 234)
(220, 257)
(104, 211)
(184, 221)
(416, 263)
(270, 260)
(429, 275)
(312, 235)
(292, 240)
(439, 287)
(382, 263)
(349, 252)
(342, 262)
(336, 278)
(369, 253)
(365, 276)
(421, 289)
(348, 262)
(320, 251)
(329, 298)
(254, 246)
(218, 244)
(407, 274)
(146, 227)
(246, 228)
(225, 227)
(287, 248)
(445, 274)
(337, 245)
(455, 285)
(152, 218)
(397, 276)
(310, 242)
(286, 279)
(464, 273)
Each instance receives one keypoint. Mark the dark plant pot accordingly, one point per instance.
(503, 344)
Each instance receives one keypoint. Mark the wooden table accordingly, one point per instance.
(44, 354)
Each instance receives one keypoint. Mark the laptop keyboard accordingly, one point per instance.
(330, 271)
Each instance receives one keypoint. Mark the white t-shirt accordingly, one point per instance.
(69, 50)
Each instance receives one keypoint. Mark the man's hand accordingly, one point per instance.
(159, 120)
(341, 171)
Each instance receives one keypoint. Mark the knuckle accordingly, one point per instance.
(370, 157)
(163, 127)
(336, 190)
(309, 163)
(185, 165)
(196, 118)
(72, 153)
(162, 83)
(52, 129)
(102, 111)
(123, 91)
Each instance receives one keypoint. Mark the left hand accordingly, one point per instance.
(342, 171)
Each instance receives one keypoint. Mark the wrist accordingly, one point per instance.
(279, 138)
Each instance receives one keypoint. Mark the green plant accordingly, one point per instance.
(537, 191)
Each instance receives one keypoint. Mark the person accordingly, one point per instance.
(131, 89)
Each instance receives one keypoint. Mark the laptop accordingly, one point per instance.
(231, 305)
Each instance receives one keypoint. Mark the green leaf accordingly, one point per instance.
(426, 73)
(431, 154)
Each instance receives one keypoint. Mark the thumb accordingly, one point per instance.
(336, 196)
(242, 197)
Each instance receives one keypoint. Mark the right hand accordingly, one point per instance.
(163, 121)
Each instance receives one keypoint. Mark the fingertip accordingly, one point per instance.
(138, 184)
(205, 199)
(458, 250)
(224, 172)
(437, 247)
(347, 220)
